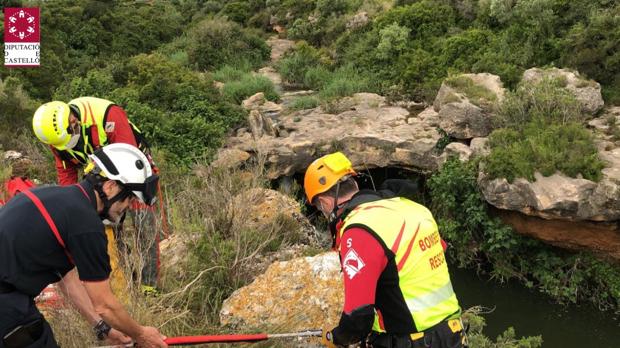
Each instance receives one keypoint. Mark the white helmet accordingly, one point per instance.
(129, 166)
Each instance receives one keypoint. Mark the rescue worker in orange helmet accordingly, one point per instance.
(396, 282)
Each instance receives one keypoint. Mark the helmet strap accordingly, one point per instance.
(107, 202)
(332, 219)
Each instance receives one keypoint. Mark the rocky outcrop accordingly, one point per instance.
(465, 104)
(601, 238)
(261, 116)
(370, 132)
(587, 92)
(230, 158)
(269, 208)
(299, 294)
(459, 150)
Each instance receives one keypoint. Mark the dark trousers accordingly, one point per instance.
(439, 337)
(17, 309)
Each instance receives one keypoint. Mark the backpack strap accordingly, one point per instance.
(48, 218)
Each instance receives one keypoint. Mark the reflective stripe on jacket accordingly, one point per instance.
(410, 232)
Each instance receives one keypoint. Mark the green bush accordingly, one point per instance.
(213, 43)
(542, 132)
(229, 73)
(566, 148)
(345, 82)
(294, 65)
(546, 101)
(248, 85)
(305, 102)
(594, 46)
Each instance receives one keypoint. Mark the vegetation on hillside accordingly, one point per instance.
(160, 60)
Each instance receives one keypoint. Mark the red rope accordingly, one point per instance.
(184, 340)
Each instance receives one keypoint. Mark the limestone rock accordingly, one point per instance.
(460, 150)
(292, 295)
(465, 104)
(430, 116)
(587, 92)
(603, 239)
(370, 132)
(556, 196)
(480, 147)
(268, 208)
(230, 158)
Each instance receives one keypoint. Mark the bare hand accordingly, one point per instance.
(117, 337)
(150, 338)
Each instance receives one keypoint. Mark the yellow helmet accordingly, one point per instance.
(50, 123)
(325, 172)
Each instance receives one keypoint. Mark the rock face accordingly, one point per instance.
(462, 151)
(552, 197)
(465, 104)
(601, 238)
(299, 294)
(370, 132)
(587, 92)
(262, 113)
(267, 206)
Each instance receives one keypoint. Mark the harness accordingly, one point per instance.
(48, 218)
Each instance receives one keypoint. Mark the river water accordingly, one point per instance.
(532, 313)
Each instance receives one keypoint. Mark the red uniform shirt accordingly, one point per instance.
(118, 130)
(363, 260)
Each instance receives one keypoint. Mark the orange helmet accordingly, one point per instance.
(325, 172)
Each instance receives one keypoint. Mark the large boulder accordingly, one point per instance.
(465, 104)
(268, 208)
(370, 132)
(292, 295)
(587, 92)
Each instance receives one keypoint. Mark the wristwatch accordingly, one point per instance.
(102, 329)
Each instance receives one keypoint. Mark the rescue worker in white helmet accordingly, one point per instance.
(56, 233)
(76, 129)
(397, 287)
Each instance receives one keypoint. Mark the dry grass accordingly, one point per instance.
(218, 255)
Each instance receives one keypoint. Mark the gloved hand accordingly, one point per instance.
(328, 339)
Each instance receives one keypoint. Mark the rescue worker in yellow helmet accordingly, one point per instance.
(397, 286)
(76, 130)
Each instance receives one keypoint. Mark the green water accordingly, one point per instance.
(532, 313)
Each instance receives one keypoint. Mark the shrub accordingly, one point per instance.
(216, 42)
(567, 148)
(316, 77)
(393, 41)
(237, 11)
(248, 85)
(593, 45)
(345, 82)
(546, 101)
(305, 102)
(294, 65)
(229, 73)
